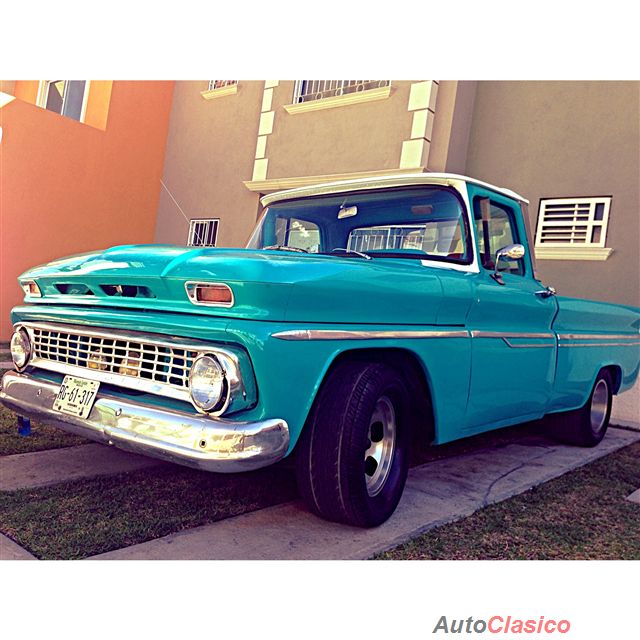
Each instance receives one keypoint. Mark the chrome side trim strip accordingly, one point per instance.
(599, 336)
(599, 344)
(340, 334)
(508, 334)
(545, 345)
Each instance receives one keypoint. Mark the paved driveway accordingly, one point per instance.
(437, 492)
(440, 491)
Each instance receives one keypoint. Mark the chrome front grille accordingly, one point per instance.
(120, 358)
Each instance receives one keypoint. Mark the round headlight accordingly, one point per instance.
(20, 348)
(207, 383)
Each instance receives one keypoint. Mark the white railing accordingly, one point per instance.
(306, 90)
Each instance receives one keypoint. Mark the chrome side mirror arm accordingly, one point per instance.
(510, 252)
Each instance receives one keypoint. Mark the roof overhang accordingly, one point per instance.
(380, 180)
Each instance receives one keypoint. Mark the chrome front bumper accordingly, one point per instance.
(211, 444)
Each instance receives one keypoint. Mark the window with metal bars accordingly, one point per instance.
(218, 84)
(573, 222)
(203, 232)
(306, 90)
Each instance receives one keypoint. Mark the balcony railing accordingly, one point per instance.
(307, 90)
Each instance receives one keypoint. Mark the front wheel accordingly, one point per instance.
(586, 426)
(353, 455)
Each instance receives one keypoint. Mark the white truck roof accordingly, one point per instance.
(382, 182)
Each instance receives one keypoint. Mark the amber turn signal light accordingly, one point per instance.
(31, 288)
(214, 293)
(219, 295)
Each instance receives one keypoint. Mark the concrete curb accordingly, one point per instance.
(627, 424)
(9, 550)
(437, 493)
(54, 466)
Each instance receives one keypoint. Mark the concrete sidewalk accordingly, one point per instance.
(626, 407)
(9, 550)
(43, 468)
(436, 493)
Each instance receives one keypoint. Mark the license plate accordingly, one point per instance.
(76, 396)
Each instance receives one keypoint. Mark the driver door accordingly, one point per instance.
(513, 346)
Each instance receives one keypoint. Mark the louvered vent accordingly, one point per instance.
(567, 222)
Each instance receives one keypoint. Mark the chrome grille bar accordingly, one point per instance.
(126, 359)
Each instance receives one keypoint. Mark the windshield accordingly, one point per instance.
(425, 223)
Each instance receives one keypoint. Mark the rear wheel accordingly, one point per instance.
(586, 426)
(352, 458)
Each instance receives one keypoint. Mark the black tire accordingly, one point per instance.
(587, 426)
(330, 460)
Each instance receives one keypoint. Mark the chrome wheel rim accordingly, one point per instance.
(599, 406)
(381, 445)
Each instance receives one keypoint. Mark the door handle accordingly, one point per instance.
(547, 292)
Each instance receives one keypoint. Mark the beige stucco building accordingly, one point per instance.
(572, 141)
(572, 148)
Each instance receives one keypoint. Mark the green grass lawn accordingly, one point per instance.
(581, 515)
(42, 436)
(87, 517)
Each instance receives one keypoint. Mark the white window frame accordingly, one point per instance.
(192, 231)
(579, 215)
(43, 94)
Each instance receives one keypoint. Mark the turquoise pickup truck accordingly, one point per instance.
(363, 317)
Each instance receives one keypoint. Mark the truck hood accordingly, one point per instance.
(267, 285)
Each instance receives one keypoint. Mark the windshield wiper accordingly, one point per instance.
(350, 252)
(398, 254)
(280, 247)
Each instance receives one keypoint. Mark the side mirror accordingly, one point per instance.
(510, 252)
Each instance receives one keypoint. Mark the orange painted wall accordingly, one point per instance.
(26, 90)
(67, 187)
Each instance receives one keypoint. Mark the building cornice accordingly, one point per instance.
(229, 90)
